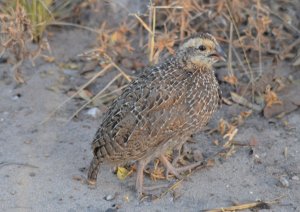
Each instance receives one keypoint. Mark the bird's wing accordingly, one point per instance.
(146, 114)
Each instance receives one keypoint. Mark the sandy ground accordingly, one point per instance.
(42, 165)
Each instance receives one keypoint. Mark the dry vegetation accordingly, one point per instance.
(257, 35)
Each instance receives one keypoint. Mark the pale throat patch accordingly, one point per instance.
(198, 61)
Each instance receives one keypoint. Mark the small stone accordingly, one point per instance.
(197, 155)
(13, 192)
(295, 178)
(16, 97)
(32, 174)
(109, 197)
(284, 182)
(28, 141)
(94, 112)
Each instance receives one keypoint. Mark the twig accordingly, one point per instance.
(143, 24)
(78, 91)
(229, 67)
(114, 91)
(244, 51)
(61, 23)
(250, 205)
(2, 164)
(96, 96)
(127, 77)
(241, 100)
(259, 41)
(152, 40)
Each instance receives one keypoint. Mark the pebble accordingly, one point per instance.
(109, 197)
(197, 155)
(94, 112)
(295, 178)
(16, 97)
(32, 174)
(284, 182)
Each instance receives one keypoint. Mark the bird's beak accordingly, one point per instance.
(219, 53)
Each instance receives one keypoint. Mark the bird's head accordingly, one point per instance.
(202, 50)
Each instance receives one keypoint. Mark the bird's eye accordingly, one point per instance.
(202, 48)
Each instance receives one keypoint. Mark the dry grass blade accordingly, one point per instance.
(78, 91)
(96, 96)
(152, 36)
(143, 24)
(245, 206)
(241, 100)
(250, 71)
(171, 188)
(16, 35)
(3, 164)
(62, 23)
(127, 77)
(169, 7)
(229, 64)
(112, 92)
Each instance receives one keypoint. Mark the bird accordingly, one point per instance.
(159, 109)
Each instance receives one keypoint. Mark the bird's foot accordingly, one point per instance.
(176, 171)
(177, 157)
(169, 167)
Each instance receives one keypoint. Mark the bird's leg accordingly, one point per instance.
(177, 151)
(140, 176)
(176, 171)
(140, 188)
(93, 171)
(169, 167)
(176, 154)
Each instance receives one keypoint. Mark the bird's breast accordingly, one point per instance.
(201, 98)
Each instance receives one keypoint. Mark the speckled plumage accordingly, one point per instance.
(165, 104)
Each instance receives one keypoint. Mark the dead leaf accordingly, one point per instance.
(85, 94)
(232, 131)
(222, 126)
(210, 163)
(19, 78)
(216, 142)
(232, 80)
(48, 59)
(290, 101)
(271, 97)
(122, 173)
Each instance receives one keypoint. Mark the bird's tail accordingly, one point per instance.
(93, 171)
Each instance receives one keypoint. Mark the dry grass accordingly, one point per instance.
(257, 33)
(23, 22)
(16, 35)
(251, 29)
